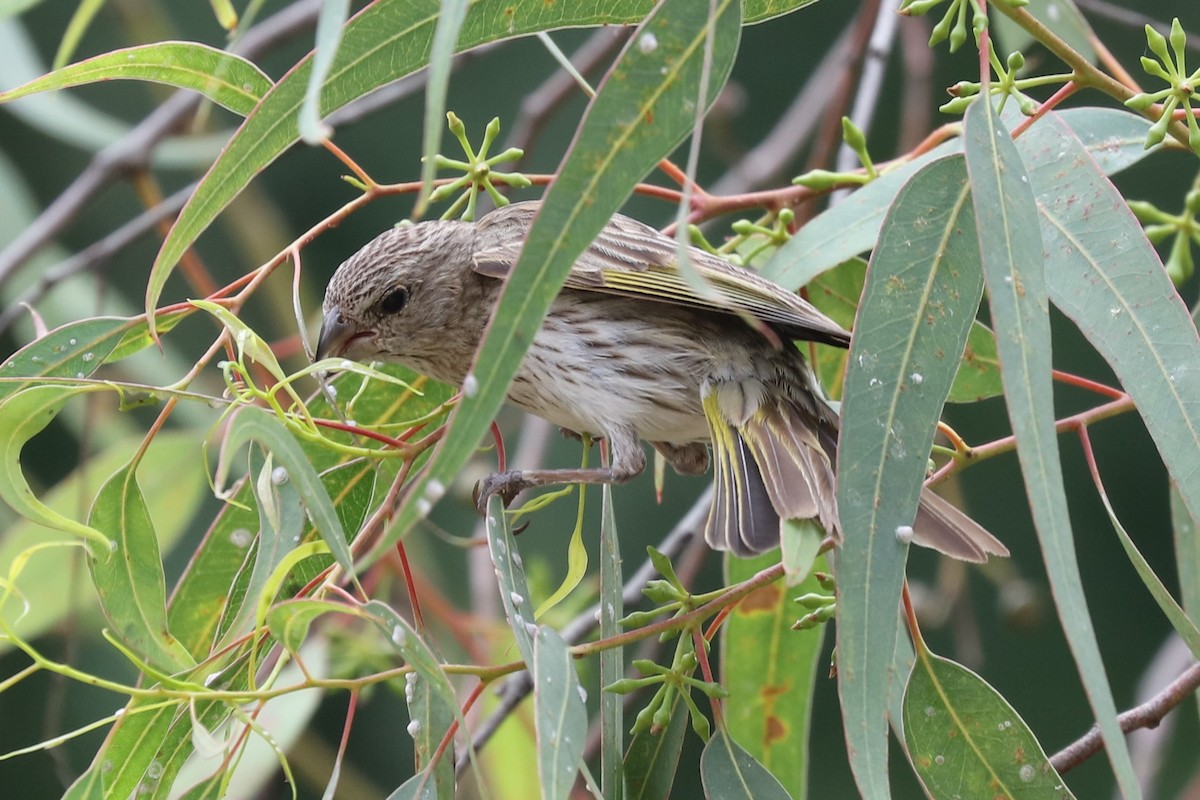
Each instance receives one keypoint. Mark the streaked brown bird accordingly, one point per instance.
(629, 351)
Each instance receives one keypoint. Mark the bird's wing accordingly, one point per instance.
(632, 259)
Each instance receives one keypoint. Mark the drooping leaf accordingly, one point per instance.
(965, 740)
(224, 78)
(1015, 272)
(130, 579)
(923, 288)
(770, 672)
(728, 772)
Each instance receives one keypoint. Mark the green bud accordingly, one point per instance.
(1191, 202)
(813, 600)
(1158, 131)
(958, 105)
(1178, 38)
(1027, 104)
(1140, 102)
(958, 37)
(457, 127)
(820, 180)
(853, 135)
(661, 591)
(941, 30)
(1158, 44)
(1016, 60)
(1179, 264)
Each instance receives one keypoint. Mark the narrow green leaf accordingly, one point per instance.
(560, 715)
(1171, 609)
(291, 620)
(728, 772)
(85, 12)
(1107, 278)
(923, 288)
(75, 350)
(432, 705)
(514, 588)
(330, 24)
(259, 425)
(1014, 269)
(280, 524)
(965, 740)
(173, 480)
(224, 78)
(770, 672)
(653, 758)
(130, 579)
(612, 659)
(22, 416)
(762, 10)
(1187, 549)
(639, 115)
(441, 53)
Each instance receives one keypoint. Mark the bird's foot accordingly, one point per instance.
(505, 484)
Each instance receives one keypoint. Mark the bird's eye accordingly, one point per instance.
(394, 301)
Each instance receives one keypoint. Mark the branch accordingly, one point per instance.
(1147, 715)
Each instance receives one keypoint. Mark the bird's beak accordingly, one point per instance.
(336, 333)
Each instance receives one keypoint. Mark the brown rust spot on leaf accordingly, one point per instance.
(764, 599)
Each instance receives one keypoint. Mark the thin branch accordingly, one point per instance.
(870, 83)
(768, 161)
(133, 151)
(1147, 715)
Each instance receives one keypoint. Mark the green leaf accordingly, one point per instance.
(639, 115)
(612, 659)
(330, 24)
(22, 416)
(291, 620)
(173, 480)
(1107, 278)
(1187, 549)
(514, 587)
(837, 293)
(441, 52)
(923, 288)
(728, 772)
(130, 580)
(1171, 610)
(224, 78)
(259, 425)
(432, 704)
(770, 672)
(1014, 269)
(560, 715)
(965, 740)
(653, 758)
(75, 350)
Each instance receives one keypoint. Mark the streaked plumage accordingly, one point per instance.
(630, 352)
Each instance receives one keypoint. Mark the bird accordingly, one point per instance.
(630, 351)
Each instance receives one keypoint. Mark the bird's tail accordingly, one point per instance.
(778, 463)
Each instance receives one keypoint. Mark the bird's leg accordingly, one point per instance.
(628, 461)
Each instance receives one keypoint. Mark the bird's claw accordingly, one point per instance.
(505, 484)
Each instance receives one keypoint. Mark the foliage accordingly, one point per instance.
(324, 478)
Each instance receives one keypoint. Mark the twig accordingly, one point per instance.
(1147, 715)
(133, 151)
(770, 158)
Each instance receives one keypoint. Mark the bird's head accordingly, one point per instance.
(400, 298)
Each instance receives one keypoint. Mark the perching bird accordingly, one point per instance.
(629, 351)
